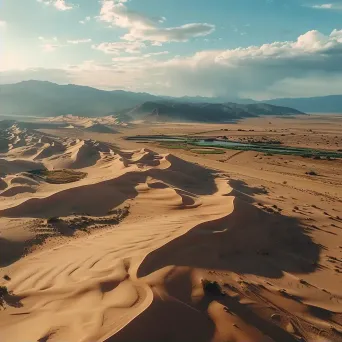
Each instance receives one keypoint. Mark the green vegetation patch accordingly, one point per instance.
(208, 151)
(59, 176)
(174, 145)
(270, 147)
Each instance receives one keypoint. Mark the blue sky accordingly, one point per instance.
(247, 48)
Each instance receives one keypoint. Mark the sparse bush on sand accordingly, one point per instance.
(3, 293)
(59, 176)
(212, 288)
(52, 220)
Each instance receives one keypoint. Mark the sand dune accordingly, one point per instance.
(16, 190)
(23, 180)
(9, 167)
(81, 155)
(104, 124)
(110, 285)
(3, 184)
(50, 150)
(149, 247)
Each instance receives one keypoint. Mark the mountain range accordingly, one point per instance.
(321, 104)
(41, 98)
(164, 111)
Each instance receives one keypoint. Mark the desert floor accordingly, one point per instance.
(158, 244)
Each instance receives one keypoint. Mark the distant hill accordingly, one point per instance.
(98, 128)
(323, 104)
(204, 112)
(37, 98)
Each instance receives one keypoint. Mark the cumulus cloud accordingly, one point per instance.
(128, 59)
(85, 20)
(79, 41)
(328, 6)
(49, 44)
(172, 34)
(61, 5)
(309, 65)
(144, 28)
(53, 43)
(264, 71)
(118, 47)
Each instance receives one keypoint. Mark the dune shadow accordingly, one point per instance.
(248, 240)
(17, 166)
(165, 321)
(94, 200)
(3, 184)
(251, 318)
(17, 190)
(243, 187)
(100, 198)
(187, 176)
(10, 251)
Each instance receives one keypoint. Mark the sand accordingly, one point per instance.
(122, 254)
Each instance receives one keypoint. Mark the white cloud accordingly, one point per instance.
(3, 24)
(129, 59)
(53, 43)
(144, 28)
(61, 5)
(173, 34)
(50, 47)
(49, 44)
(328, 6)
(85, 20)
(118, 47)
(43, 39)
(79, 41)
(268, 70)
(309, 65)
(157, 53)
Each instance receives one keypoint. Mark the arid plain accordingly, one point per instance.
(108, 239)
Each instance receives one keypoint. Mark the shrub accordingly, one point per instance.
(53, 220)
(212, 288)
(59, 176)
(3, 291)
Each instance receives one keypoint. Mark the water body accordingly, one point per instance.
(233, 145)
